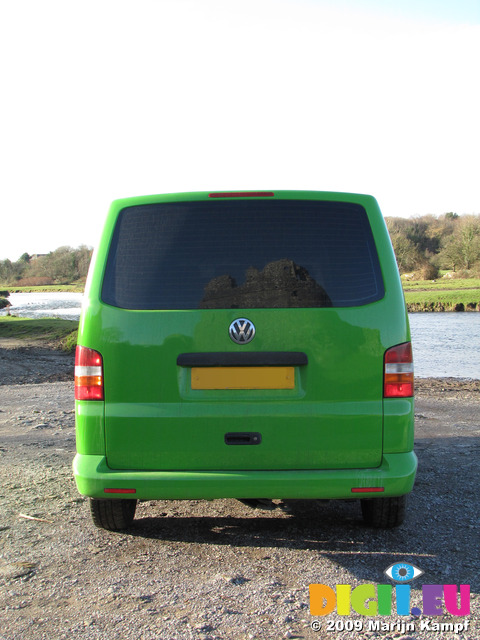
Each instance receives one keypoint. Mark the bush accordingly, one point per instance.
(35, 281)
(467, 273)
(429, 271)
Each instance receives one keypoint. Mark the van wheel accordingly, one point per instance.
(384, 513)
(113, 515)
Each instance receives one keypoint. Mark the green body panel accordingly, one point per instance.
(329, 433)
(153, 420)
(90, 427)
(398, 425)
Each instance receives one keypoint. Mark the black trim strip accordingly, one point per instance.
(243, 438)
(250, 359)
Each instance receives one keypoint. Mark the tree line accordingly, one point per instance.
(65, 265)
(426, 244)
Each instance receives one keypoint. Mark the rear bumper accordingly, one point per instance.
(396, 476)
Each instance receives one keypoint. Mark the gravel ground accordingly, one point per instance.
(216, 570)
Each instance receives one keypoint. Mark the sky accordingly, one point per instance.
(104, 99)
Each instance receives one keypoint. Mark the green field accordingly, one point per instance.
(59, 334)
(443, 284)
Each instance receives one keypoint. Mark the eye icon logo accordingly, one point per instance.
(402, 572)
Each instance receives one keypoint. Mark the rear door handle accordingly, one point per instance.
(243, 437)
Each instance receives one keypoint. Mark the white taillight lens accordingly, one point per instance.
(398, 372)
(88, 374)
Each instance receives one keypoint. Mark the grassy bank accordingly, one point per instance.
(442, 295)
(442, 301)
(57, 333)
(50, 288)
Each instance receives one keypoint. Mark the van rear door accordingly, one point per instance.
(243, 333)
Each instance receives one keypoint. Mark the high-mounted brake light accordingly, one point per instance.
(88, 374)
(242, 194)
(398, 372)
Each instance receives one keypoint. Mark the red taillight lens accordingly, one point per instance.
(398, 372)
(242, 194)
(88, 374)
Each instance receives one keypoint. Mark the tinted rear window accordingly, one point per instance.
(242, 254)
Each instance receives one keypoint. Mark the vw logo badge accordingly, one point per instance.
(242, 331)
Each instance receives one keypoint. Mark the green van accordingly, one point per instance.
(249, 345)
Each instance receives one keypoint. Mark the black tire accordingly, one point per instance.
(384, 513)
(114, 515)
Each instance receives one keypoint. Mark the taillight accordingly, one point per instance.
(88, 374)
(398, 373)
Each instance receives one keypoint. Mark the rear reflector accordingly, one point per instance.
(368, 489)
(242, 194)
(398, 372)
(119, 491)
(88, 374)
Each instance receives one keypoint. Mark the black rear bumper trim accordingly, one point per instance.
(251, 359)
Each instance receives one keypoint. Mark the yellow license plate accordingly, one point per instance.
(243, 377)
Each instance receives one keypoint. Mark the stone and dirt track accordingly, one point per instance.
(217, 570)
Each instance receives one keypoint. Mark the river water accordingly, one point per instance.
(64, 305)
(444, 344)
